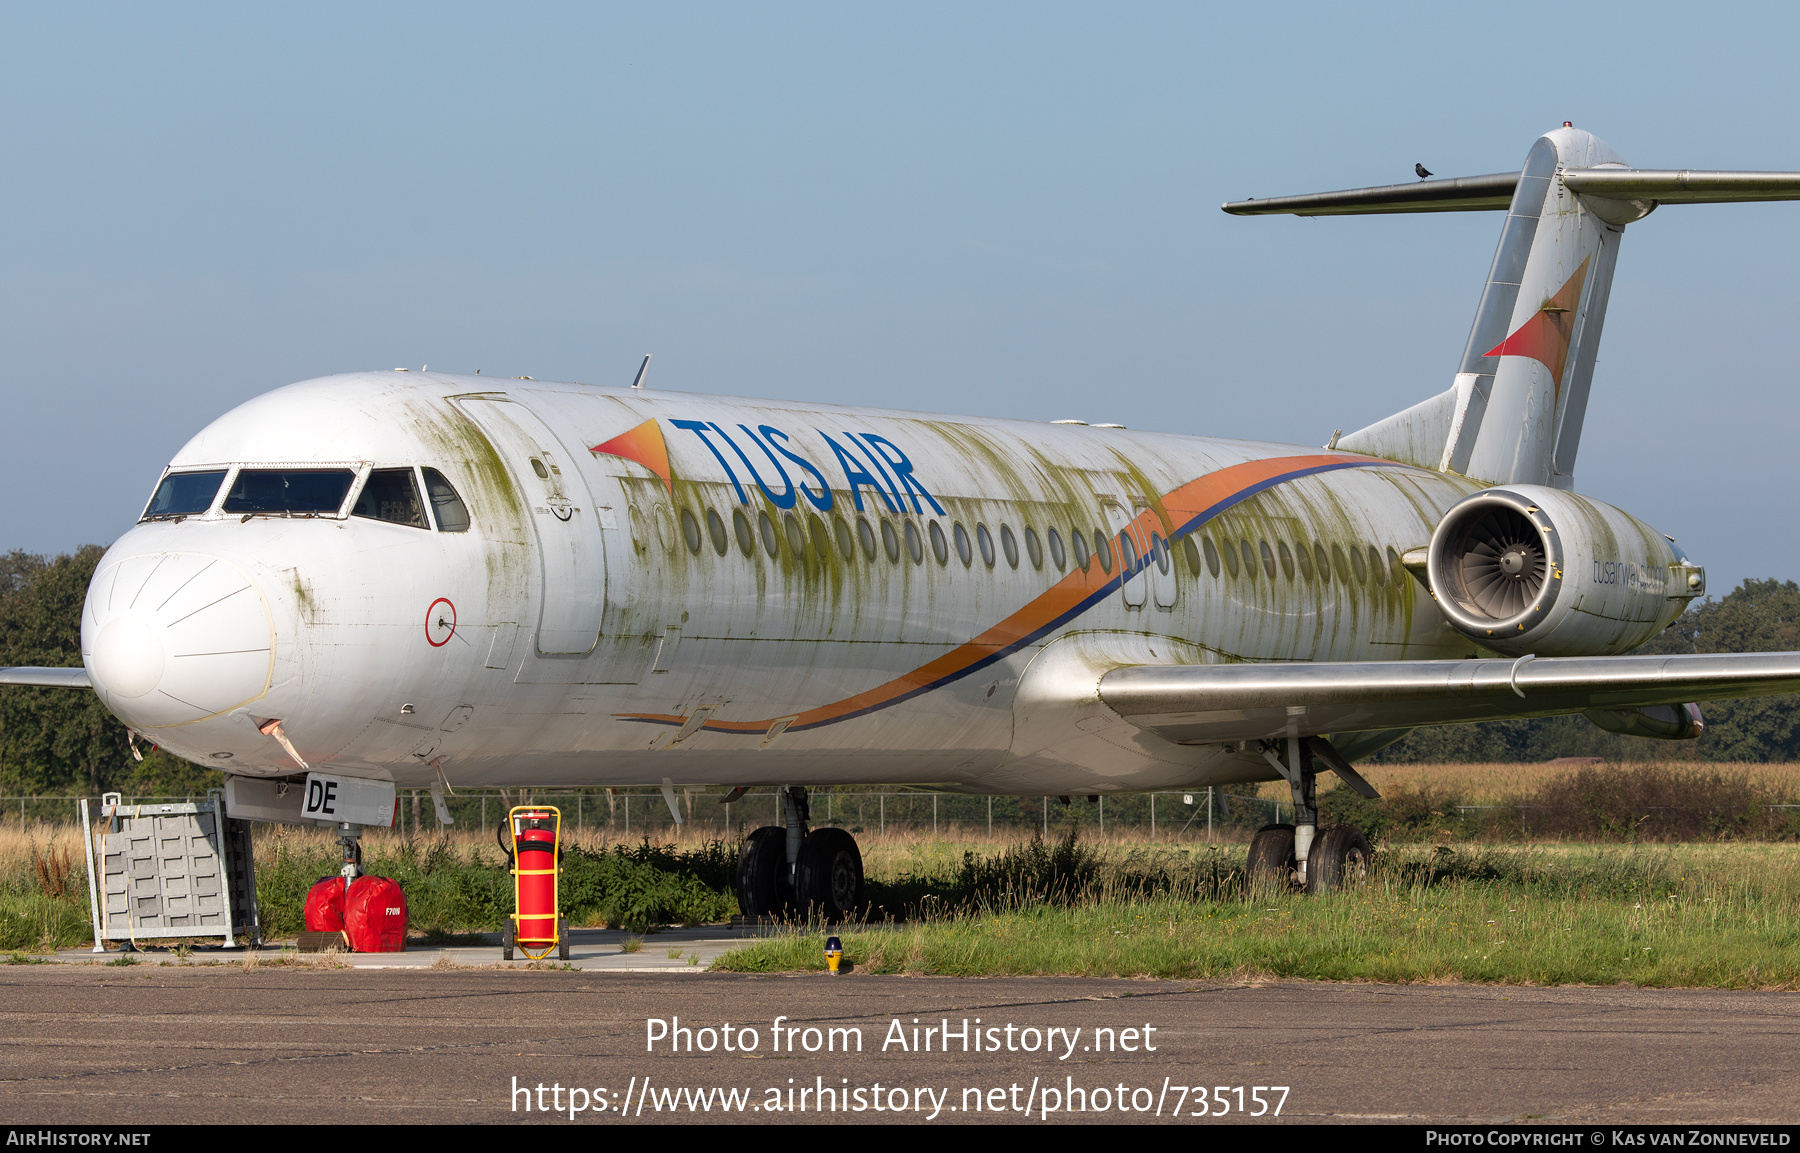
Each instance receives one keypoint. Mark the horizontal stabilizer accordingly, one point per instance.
(1196, 704)
(1683, 187)
(1494, 193)
(1463, 194)
(45, 678)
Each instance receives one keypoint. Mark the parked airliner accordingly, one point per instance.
(420, 579)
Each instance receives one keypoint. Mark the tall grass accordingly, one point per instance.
(1721, 912)
(1488, 784)
(1721, 917)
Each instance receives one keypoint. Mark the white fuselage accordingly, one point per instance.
(589, 629)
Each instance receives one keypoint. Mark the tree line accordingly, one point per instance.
(62, 741)
(1759, 616)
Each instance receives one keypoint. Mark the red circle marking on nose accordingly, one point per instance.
(432, 612)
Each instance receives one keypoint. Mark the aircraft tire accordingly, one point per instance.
(1339, 859)
(1272, 856)
(829, 877)
(762, 868)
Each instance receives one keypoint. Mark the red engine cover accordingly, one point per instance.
(375, 915)
(325, 906)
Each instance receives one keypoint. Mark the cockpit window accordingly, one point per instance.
(318, 491)
(391, 494)
(452, 515)
(184, 494)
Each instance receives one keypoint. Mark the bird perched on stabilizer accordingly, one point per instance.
(1424, 173)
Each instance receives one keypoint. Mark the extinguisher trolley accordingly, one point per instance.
(531, 839)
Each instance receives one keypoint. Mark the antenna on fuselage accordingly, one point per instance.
(643, 371)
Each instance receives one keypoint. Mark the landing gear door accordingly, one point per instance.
(573, 596)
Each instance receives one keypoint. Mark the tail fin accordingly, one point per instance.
(1515, 411)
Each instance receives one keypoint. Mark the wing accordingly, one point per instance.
(46, 678)
(1196, 704)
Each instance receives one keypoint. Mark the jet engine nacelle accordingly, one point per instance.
(1529, 569)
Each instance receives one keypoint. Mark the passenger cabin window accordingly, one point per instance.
(452, 515)
(963, 550)
(184, 494)
(1128, 553)
(391, 494)
(1212, 555)
(285, 491)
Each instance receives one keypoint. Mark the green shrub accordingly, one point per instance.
(447, 891)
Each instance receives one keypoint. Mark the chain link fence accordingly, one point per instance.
(631, 813)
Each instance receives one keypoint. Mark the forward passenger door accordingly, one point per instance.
(573, 595)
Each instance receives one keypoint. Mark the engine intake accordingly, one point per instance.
(1530, 569)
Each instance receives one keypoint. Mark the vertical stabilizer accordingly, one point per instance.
(1514, 413)
(1529, 363)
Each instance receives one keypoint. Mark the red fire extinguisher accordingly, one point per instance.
(531, 839)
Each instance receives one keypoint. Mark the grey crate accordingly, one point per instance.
(171, 870)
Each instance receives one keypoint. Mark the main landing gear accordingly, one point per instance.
(785, 870)
(1301, 854)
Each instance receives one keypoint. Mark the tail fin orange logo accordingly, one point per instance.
(1545, 336)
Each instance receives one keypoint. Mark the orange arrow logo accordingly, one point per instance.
(644, 445)
(1544, 337)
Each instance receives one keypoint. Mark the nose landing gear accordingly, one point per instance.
(350, 842)
(784, 870)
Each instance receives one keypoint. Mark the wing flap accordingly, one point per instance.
(1195, 704)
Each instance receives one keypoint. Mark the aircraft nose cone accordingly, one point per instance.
(172, 638)
(128, 656)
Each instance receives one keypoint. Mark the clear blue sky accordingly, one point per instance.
(995, 209)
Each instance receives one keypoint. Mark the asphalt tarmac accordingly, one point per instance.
(310, 1044)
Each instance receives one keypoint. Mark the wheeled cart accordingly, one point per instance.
(531, 839)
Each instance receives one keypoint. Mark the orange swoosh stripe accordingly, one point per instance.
(1186, 508)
